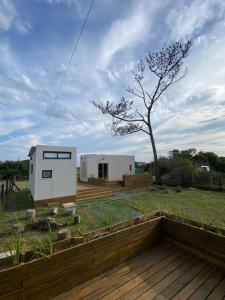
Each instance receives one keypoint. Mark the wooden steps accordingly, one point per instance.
(114, 184)
(94, 193)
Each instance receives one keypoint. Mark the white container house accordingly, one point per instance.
(110, 167)
(52, 173)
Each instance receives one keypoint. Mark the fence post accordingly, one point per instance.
(7, 187)
(2, 191)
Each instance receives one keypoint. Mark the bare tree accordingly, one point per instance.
(129, 116)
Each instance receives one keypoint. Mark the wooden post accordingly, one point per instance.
(7, 187)
(10, 185)
(2, 191)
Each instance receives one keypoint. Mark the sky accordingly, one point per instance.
(37, 38)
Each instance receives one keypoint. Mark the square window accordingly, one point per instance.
(46, 173)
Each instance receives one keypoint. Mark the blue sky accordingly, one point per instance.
(36, 41)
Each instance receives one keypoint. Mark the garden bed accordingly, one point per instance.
(103, 249)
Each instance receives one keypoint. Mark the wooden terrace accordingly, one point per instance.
(163, 272)
(160, 258)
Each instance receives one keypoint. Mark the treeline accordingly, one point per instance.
(10, 169)
(191, 167)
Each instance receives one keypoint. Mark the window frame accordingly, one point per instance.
(42, 172)
(57, 154)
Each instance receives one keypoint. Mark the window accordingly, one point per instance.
(64, 155)
(47, 174)
(31, 168)
(130, 167)
(56, 155)
(47, 154)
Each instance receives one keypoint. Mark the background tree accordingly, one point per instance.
(9, 169)
(129, 116)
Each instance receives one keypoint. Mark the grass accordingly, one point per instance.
(204, 206)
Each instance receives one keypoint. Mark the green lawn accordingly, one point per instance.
(203, 206)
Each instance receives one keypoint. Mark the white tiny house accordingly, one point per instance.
(52, 173)
(110, 167)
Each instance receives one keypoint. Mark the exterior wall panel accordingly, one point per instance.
(63, 181)
(118, 166)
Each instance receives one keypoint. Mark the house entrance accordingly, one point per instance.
(103, 171)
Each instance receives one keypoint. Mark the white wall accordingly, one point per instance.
(63, 181)
(118, 165)
(32, 176)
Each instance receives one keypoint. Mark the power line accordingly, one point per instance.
(75, 47)
(70, 60)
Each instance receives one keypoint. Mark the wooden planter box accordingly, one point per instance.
(47, 277)
(202, 243)
(137, 180)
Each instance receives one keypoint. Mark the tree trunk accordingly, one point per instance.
(156, 166)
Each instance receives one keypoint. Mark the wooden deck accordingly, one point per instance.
(163, 272)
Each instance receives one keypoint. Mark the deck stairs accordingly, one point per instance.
(99, 192)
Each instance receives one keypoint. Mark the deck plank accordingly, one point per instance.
(218, 292)
(150, 281)
(208, 286)
(131, 278)
(187, 270)
(160, 273)
(121, 273)
(186, 284)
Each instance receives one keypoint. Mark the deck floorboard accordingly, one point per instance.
(163, 272)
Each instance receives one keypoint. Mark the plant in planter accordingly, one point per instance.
(42, 246)
(109, 221)
(131, 218)
(81, 231)
(161, 209)
(15, 249)
(144, 213)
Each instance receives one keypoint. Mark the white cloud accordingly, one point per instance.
(9, 17)
(190, 17)
(26, 93)
(18, 147)
(128, 32)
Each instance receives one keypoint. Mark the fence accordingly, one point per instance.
(5, 188)
(202, 181)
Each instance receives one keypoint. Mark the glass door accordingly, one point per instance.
(103, 171)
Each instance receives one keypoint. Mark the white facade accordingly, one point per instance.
(52, 172)
(111, 167)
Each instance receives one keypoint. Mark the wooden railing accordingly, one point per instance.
(47, 277)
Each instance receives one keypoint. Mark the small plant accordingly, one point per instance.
(131, 217)
(15, 249)
(205, 223)
(81, 231)
(49, 241)
(109, 221)
(44, 246)
(144, 211)
(161, 209)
